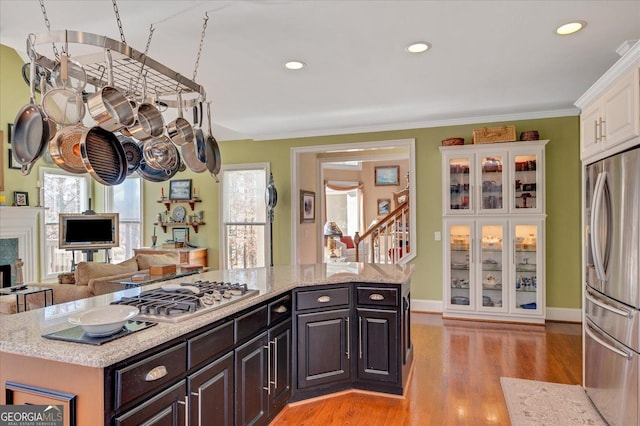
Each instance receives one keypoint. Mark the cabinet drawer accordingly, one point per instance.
(148, 374)
(322, 298)
(209, 345)
(250, 323)
(279, 309)
(377, 296)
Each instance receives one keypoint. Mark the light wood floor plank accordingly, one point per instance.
(456, 378)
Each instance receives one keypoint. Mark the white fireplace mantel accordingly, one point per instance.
(23, 223)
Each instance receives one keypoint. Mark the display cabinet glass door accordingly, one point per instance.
(493, 273)
(526, 268)
(491, 184)
(526, 179)
(460, 275)
(460, 184)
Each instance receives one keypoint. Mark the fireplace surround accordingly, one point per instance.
(23, 224)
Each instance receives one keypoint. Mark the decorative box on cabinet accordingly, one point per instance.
(610, 117)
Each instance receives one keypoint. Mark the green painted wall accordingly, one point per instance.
(562, 184)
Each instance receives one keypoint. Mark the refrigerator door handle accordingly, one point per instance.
(603, 305)
(604, 344)
(595, 221)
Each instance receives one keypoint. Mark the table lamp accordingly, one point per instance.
(332, 230)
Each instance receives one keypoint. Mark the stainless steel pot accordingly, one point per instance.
(180, 130)
(159, 153)
(110, 109)
(149, 121)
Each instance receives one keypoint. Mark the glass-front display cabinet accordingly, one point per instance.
(527, 270)
(459, 266)
(493, 221)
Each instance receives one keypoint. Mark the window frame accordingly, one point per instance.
(45, 275)
(109, 207)
(221, 217)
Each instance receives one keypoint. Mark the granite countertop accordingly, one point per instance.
(22, 333)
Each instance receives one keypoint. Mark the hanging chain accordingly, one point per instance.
(204, 29)
(144, 60)
(48, 24)
(115, 8)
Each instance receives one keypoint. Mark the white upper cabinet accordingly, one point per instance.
(610, 117)
(490, 179)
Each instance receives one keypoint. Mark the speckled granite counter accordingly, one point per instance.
(21, 333)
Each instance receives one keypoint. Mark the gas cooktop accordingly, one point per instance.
(179, 302)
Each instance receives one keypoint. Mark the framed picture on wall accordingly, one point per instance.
(20, 198)
(180, 235)
(12, 164)
(384, 207)
(307, 207)
(387, 175)
(180, 189)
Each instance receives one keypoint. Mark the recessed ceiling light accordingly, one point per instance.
(418, 47)
(294, 65)
(570, 27)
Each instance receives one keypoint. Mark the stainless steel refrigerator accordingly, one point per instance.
(612, 292)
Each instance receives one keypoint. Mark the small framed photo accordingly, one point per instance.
(384, 207)
(307, 207)
(387, 175)
(180, 235)
(180, 189)
(9, 132)
(20, 199)
(12, 165)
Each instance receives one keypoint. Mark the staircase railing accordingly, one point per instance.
(388, 240)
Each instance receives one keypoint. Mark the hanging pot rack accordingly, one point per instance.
(127, 63)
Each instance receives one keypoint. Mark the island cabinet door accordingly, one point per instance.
(211, 393)
(166, 408)
(280, 366)
(377, 345)
(252, 397)
(324, 348)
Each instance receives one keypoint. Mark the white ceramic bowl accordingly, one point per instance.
(104, 320)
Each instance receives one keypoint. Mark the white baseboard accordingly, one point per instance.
(553, 314)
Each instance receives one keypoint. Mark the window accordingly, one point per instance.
(126, 199)
(62, 192)
(344, 207)
(244, 216)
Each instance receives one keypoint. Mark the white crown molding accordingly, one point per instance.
(565, 112)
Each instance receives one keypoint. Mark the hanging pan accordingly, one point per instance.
(149, 122)
(180, 130)
(65, 148)
(103, 156)
(133, 152)
(214, 161)
(155, 175)
(200, 141)
(160, 153)
(109, 108)
(191, 160)
(31, 130)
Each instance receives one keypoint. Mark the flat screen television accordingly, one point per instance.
(88, 231)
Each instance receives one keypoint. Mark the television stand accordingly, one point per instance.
(89, 253)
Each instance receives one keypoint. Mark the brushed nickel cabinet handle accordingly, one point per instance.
(186, 408)
(156, 373)
(268, 388)
(376, 296)
(324, 299)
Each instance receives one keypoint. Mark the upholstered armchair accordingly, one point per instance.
(347, 249)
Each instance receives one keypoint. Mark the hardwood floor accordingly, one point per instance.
(456, 377)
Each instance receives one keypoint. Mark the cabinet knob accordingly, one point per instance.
(376, 296)
(324, 299)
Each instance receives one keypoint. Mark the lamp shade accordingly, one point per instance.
(331, 229)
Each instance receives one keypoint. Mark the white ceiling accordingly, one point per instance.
(490, 60)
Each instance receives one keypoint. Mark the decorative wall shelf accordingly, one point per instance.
(192, 202)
